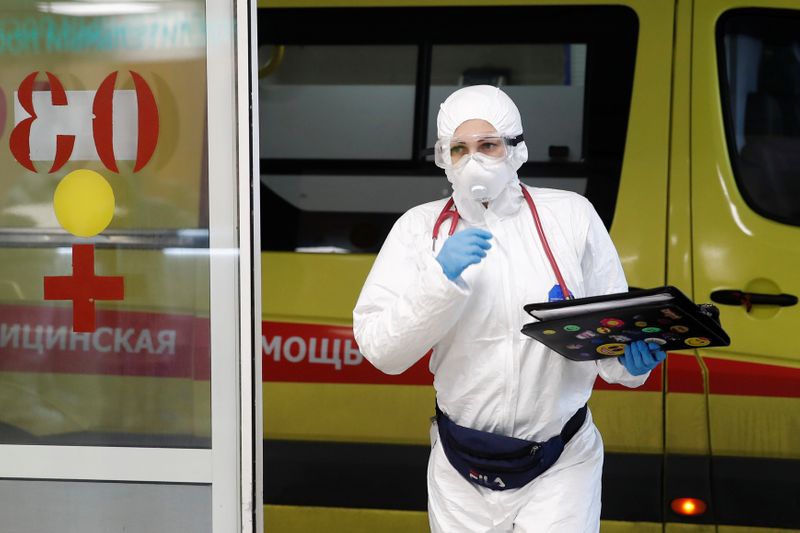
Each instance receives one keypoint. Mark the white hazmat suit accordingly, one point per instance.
(487, 374)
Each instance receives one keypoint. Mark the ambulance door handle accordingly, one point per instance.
(749, 299)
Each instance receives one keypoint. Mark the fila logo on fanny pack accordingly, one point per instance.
(484, 480)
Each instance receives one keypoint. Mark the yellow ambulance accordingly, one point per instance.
(678, 119)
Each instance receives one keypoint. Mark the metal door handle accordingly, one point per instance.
(749, 299)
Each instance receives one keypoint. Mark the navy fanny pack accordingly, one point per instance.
(498, 462)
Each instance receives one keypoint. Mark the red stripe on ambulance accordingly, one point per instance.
(752, 379)
(684, 374)
(311, 353)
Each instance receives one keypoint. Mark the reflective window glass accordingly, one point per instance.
(338, 168)
(337, 102)
(546, 81)
(104, 292)
(760, 82)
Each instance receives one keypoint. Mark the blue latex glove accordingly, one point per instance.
(465, 248)
(641, 357)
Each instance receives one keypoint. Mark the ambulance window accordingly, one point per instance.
(546, 81)
(348, 103)
(337, 101)
(760, 84)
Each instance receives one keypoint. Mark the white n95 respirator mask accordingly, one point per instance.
(483, 181)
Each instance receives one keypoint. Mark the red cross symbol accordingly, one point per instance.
(83, 288)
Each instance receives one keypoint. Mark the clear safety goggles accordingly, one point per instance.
(453, 152)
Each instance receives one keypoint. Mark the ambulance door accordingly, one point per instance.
(745, 212)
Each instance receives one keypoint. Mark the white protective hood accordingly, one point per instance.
(488, 103)
(482, 102)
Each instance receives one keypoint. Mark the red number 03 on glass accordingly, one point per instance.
(102, 130)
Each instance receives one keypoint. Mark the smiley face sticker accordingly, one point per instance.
(612, 349)
(549, 332)
(603, 331)
(697, 341)
(640, 324)
(679, 329)
(612, 322)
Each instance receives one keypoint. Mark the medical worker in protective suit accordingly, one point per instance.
(513, 447)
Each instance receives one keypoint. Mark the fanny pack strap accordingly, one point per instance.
(573, 424)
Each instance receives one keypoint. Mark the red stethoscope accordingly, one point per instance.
(450, 212)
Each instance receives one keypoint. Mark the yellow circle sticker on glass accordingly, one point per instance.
(84, 203)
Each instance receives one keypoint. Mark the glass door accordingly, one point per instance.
(126, 321)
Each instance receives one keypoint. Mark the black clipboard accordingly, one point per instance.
(592, 328)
